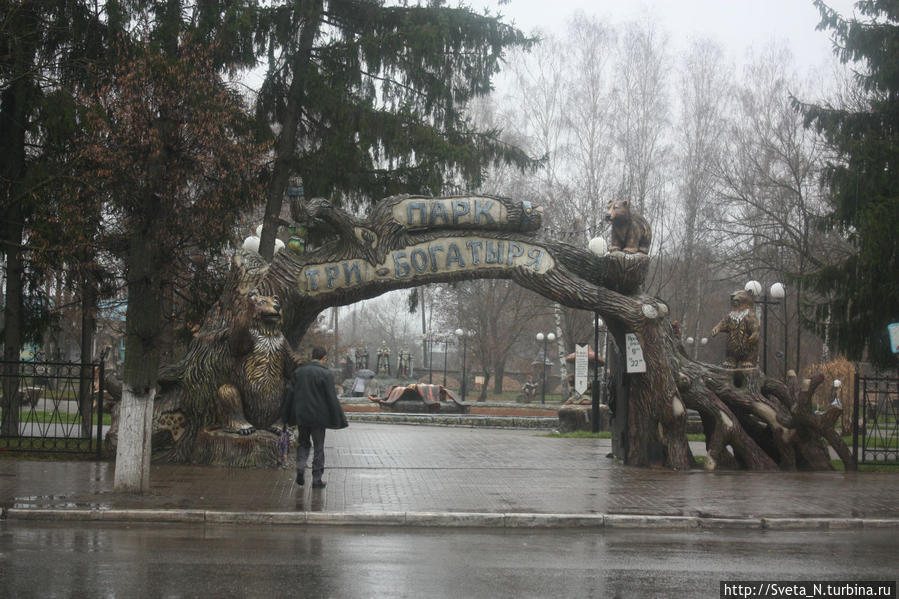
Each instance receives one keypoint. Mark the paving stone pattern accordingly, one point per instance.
(383, 468)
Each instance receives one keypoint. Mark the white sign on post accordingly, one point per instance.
(894, 337)
(634, 354)
(580, 368)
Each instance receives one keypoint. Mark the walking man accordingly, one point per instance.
(312, 405)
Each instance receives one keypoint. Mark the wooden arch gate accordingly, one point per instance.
(408, 241)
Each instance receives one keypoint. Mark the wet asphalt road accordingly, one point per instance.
(54, 559)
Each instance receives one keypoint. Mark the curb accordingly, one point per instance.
(449, 519)
(461, 420)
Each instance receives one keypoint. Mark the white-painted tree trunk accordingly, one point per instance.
(564, 389)
(132, 466)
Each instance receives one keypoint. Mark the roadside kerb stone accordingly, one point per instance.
(880, 523)
(455, 519)
(110, 515)
(67, 515)
(731, 523)
(553, 520)
(149, 515)
(357, 518)
(812, 523)
(447, 519)
(644, 521)
(222, 517)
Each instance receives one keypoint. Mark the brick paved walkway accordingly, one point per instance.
(374, 468)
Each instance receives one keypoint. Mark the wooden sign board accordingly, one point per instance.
(580, 368)
(634, 354)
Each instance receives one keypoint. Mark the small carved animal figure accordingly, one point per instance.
(630, 231)
(742, 328)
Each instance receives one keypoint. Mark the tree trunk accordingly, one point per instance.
(285, 148)
(561, 354)
(143, 321)
(88, 325)
(12, 331)
(134, 451)
(16, 101)
(482, 396)
(499, 367)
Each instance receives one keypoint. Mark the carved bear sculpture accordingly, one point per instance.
(630, 231)
(742, 328)
(261, 360)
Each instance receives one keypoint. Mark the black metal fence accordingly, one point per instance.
(51, 407)
(875, 436)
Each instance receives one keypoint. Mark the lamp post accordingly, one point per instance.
(427, 343)
(445, 339)
(772, 296)
(544, 339)
(463, 335)
(598, 246)
(594, 388)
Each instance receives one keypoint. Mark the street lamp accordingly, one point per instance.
(598, 246)
(544, 339)
(695, 348)
(463, 335)
(772, 296)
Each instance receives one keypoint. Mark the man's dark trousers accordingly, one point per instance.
(311, 437)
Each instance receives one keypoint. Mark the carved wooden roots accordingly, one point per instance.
(215, 446)
(751, 421)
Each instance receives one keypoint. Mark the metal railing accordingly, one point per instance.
(51, 407)
(875, 436)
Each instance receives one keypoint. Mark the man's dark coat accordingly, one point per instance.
(310, 399)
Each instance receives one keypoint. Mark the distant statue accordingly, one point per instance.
(630, 231)
(529, 390)
(404, 365)
(361, 357)
(742, 328)
(383, 364)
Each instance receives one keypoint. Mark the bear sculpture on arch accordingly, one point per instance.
(630, 231)
(742, 328)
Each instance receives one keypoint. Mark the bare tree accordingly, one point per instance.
(769, 175)
(703, 85)
(642, 103)
(537, 100)
(502, 316)
(589, 118)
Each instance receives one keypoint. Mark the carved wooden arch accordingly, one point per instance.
(409, 241)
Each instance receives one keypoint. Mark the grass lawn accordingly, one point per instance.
(838, 465)
(875, 442)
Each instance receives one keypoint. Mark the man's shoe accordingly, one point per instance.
(318, 484)
(300, 479)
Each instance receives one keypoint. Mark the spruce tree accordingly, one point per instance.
(368, 99)
(862, 290)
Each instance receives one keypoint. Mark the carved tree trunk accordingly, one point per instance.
(751, 421)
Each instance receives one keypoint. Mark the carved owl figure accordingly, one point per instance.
(742, 328)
